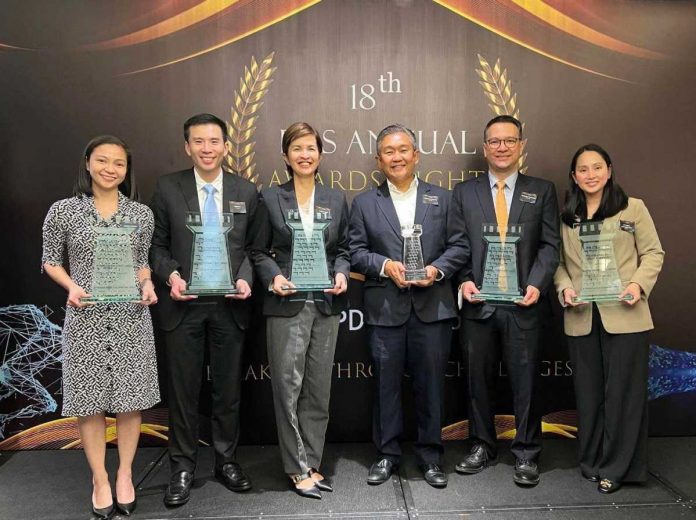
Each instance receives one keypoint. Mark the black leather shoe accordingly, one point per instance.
(126, 509)
(103, 512)
(179, 489)
(591, 478)
(476, 462)
(310, 492)
(233, 477)
(607, 486)
(526, 473)
(433, 475)
(323, 484)
(381, 471)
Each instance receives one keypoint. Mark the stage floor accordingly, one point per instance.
(56, 485)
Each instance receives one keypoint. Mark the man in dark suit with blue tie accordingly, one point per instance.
(505, 199)
(409, 322)
(193, 324)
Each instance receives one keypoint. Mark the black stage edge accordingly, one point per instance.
(56, 485)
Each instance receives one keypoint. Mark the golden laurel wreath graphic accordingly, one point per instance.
(253, 86)
(498, 89)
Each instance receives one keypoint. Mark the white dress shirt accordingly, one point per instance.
(307, 215)
(405, 206)
(202, 194)
(509, 188)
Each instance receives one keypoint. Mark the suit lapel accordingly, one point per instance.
(230, 192)
(321, 197)
(421, 207)
(483, 192)
(517, 205)
(287, 199)
(187, 183)
(386, 205)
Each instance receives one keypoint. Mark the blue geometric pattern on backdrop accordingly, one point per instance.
(670, 372)
(30, 346)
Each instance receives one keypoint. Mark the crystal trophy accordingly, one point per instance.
(308, 271)
(210, 259)
(600, 277)
(413, 252)
(500, 277)
(113, 277)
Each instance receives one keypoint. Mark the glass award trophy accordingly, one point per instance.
(308, 271)
(113, 278)
(413, 252)
(600, 277)
(500, 277)
(210, 259)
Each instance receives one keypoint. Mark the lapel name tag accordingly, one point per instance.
(528, 197)
(431, 199)
(237, 207)
(627, 225)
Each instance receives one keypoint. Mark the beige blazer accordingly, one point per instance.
(639, 258)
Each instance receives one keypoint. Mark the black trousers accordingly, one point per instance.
(485, 342)
(611, 390)
(422, 349)
(203, 325)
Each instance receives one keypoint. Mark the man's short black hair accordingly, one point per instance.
(204, 119)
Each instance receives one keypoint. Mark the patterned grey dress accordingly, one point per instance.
(109, 362)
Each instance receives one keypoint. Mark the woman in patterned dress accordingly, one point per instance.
(109, 362)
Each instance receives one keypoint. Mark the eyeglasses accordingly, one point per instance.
(510, 142)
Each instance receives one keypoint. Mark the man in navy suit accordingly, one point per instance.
(409, 322)
(190, 324)
(504, 197)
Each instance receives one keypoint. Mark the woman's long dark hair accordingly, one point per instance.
(83, 183)
(614, 199)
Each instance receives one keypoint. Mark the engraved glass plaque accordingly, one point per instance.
(413, 252)
(210, 259)
(600, 277)
(308, 271)
(500, 277)
(113, 278)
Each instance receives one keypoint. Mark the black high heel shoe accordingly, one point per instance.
(310, 492)
(126, 509)
(323, 484)
(103, 512)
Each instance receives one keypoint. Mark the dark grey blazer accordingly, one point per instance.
(375, 235)
(271, 251)
(175, 195)
(537, 250)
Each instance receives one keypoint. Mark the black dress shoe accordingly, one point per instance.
(381, 471)
(476, 462)
(607, 486)
(103, 512)
(126, 509)
(433, 475)
(526, 473)
(591, 478)
(233, 477)
(310, 492)
(179, 489)
(323, 484)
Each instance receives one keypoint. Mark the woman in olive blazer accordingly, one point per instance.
(301, 326)
(608, 340)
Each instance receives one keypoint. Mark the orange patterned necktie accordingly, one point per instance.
(501, 216)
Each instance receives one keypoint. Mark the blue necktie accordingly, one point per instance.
(210, 211)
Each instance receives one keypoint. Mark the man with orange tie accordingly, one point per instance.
(509, 203)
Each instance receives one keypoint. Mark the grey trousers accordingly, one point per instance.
(301, 352)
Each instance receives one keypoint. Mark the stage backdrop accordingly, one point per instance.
(621, 74)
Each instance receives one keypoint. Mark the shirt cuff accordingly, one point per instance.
(170, 275)
(381, 272)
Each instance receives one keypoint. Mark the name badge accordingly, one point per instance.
(627, 225)
(237, 207)
(528, 197)
(431, 199)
